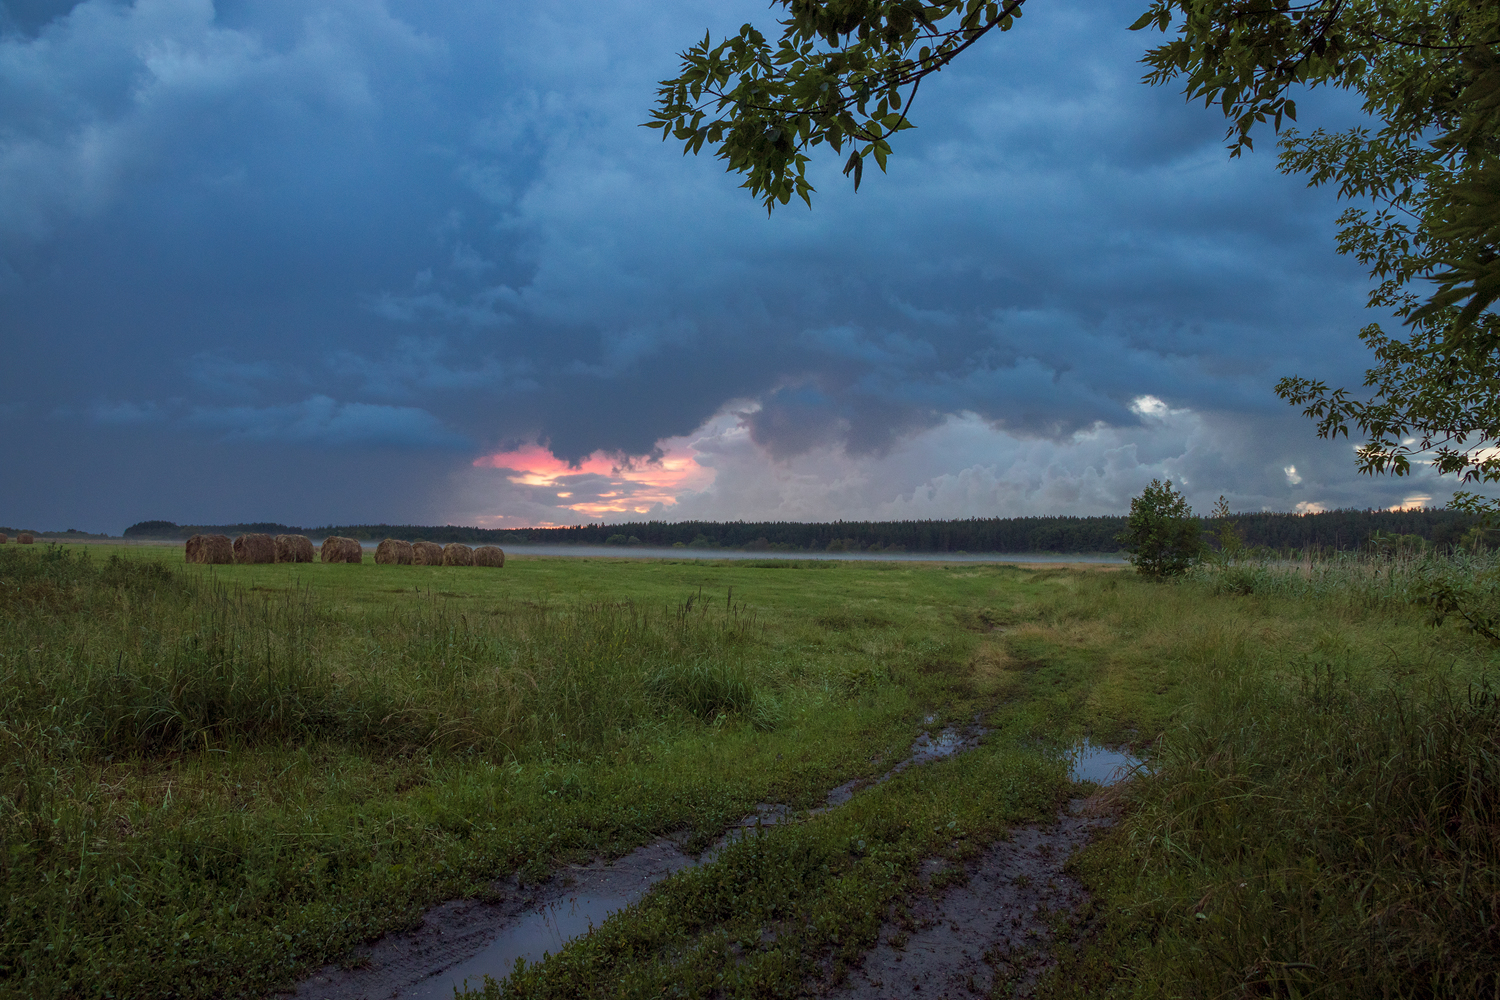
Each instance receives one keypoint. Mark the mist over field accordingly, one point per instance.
(343, 262)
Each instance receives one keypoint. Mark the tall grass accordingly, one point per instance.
(1315, 827)
(131, 657)
(1327, 842)
(1359, 580)
(207, 789)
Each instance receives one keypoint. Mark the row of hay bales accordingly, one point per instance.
(258, 548)
(394, 552)
(24, 538)
(218, 550)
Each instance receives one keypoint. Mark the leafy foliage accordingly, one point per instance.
(846, 72)
(843, 73)
(1162, 535)
(1430, 74)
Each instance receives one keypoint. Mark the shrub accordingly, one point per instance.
(1162, 536)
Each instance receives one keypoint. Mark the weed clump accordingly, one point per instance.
(713, 689)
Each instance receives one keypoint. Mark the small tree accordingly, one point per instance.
(1162, 536)
(1227, 533)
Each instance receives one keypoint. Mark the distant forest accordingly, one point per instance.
(1336, 530)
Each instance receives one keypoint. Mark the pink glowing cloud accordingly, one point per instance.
(607, 485)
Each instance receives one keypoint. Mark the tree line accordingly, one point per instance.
(1335, 530)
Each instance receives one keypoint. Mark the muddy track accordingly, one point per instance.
(1013, 885)
(464, 939)
(997, 921)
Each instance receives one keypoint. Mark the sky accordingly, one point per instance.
(416, 261)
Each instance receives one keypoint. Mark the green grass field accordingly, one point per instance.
(215, 779)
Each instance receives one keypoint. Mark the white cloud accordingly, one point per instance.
(1149, 406)
(967, 467)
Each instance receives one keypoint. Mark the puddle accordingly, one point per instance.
(461, 942)
(466, 938)
(926, 748)
(540, 932)
(1101, 765)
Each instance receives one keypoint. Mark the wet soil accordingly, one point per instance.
(941, 944)
(465, 939)
(996, 919)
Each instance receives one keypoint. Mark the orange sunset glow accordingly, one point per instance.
(607, 484)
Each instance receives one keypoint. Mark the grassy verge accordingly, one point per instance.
(1323, 817)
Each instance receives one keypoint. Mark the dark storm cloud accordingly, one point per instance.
(29, 16)
(415, 232)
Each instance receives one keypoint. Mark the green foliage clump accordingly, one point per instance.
(1391, 543)
(1162, 536)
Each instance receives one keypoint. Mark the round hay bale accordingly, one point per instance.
(457, 554)
(489, 555)
(426, 554)
(353, 551)
(210, 550)
(254, 548)
(24, 538)
(332, 550)
(3, 538)
(393, 552)
(293, 549)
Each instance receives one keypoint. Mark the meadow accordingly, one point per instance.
(214, 779)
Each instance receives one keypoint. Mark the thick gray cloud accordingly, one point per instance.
(309, 261)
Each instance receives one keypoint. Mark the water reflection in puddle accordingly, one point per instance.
(547, 928)
(1100, 765)
(541, 931)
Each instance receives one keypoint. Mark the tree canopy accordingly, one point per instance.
(1424, 181)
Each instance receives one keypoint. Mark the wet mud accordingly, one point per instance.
(995, 921)
(460, 942)
(467, 939)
